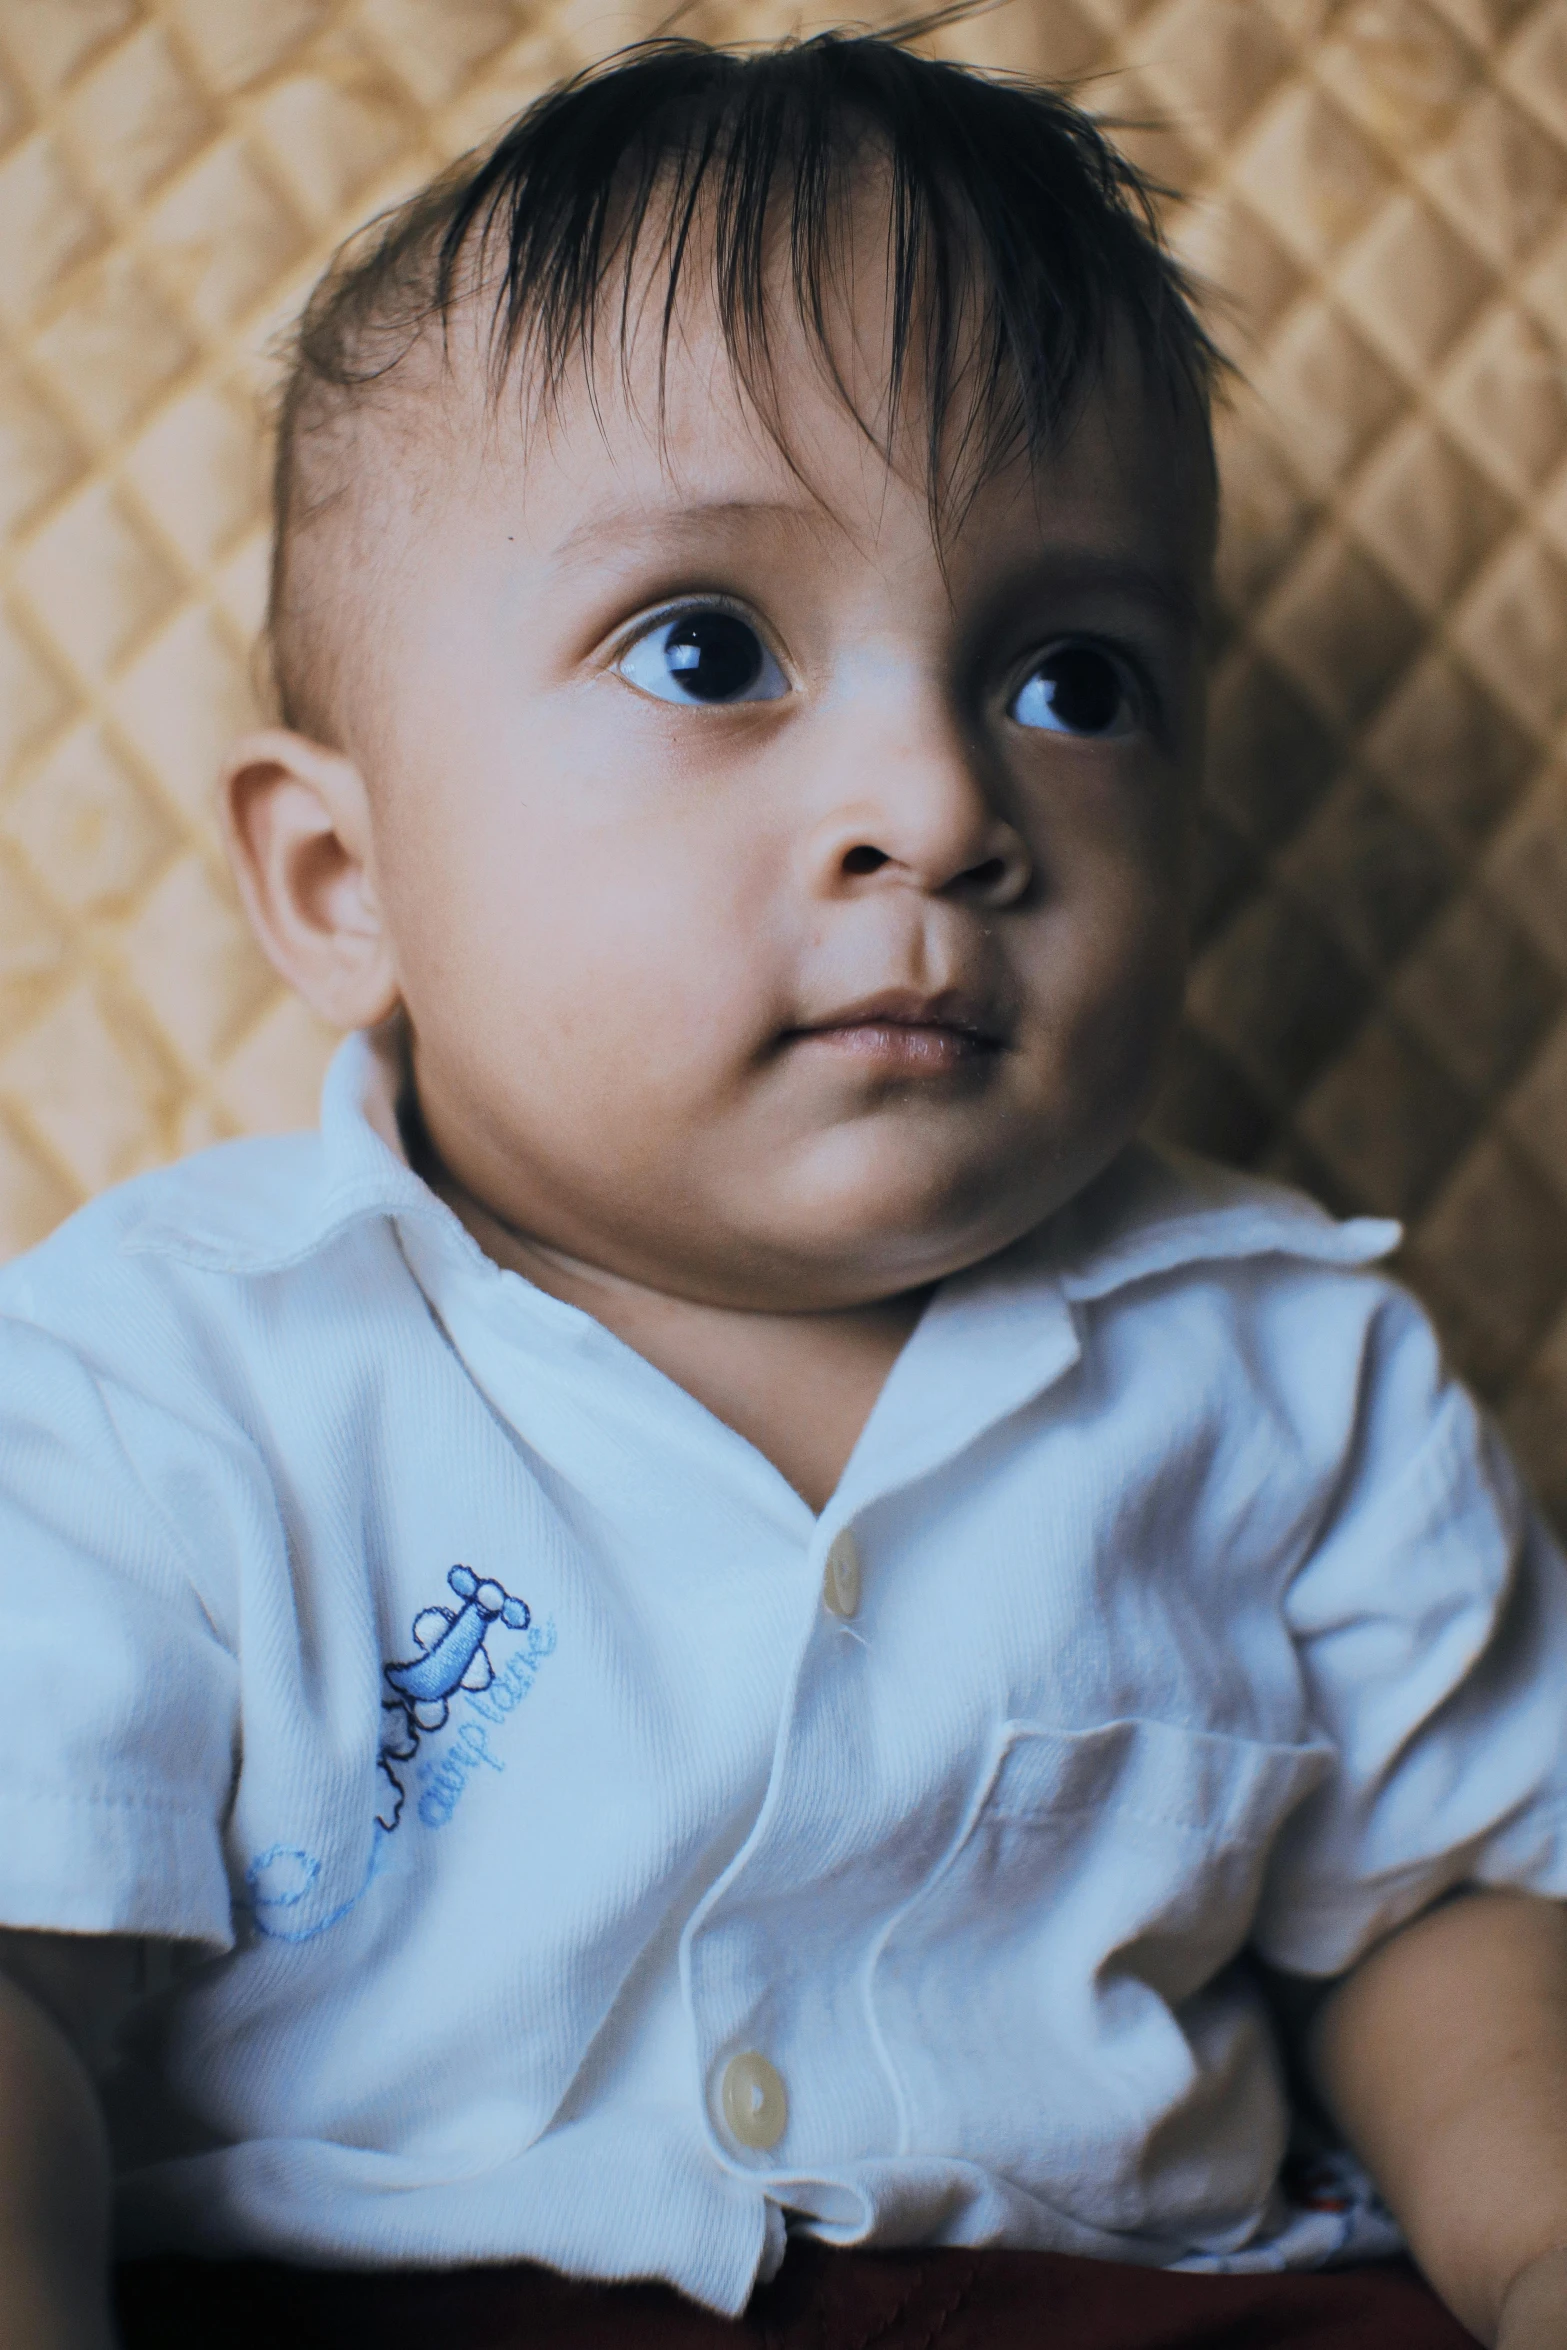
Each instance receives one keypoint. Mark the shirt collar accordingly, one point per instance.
(997, 1336)
(1156, 1208)
(1152, 1211)
(261, 1206)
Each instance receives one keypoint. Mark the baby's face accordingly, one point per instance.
(787, 913)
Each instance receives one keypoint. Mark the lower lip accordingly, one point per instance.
(903, 1051)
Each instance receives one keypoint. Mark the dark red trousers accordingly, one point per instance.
(821, 2300)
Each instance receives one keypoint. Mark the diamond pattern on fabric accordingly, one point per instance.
(1378, 188)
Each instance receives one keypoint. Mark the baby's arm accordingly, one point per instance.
(1444, 2057)
(54, 2157)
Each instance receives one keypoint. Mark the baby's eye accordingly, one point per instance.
(1075, 688)
(704, 655)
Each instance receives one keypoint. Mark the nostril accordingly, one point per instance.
(864, 859)
(988, 876)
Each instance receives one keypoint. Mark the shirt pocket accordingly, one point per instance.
(1048, 2001)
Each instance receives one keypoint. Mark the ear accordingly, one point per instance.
(296, 818)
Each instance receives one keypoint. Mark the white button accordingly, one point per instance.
(841, 1577)
(755, 2102)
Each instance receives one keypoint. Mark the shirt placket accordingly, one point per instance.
(788, 2074)
(791, 2073)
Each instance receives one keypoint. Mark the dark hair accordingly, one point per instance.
(1018, 240)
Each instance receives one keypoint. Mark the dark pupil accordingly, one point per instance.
(1084, 688)
(714, 655)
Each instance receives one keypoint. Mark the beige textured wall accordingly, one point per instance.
(1380, 1000)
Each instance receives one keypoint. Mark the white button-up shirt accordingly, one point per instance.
(592, 1855)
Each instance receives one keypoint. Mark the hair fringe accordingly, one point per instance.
(1018, 239)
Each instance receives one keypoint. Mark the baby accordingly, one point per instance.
(724, 1607)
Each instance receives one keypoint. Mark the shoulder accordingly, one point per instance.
(231, 1207)
(1225, 1297)
(224, 1204)
(170, 1343)
(267, 1205)
(152, 1283)
(1158, 1213)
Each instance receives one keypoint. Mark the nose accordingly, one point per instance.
(918, 815)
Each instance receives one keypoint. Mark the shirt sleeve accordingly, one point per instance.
(1430, 1621)
(120, 1696)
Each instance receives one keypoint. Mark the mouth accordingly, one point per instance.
(903, 1033)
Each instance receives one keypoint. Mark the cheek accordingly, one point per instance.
(622, 943)
(1133, 987)
(1109, 961)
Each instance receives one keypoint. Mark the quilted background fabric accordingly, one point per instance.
(1377, 189)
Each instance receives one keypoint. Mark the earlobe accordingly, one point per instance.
(296, 820)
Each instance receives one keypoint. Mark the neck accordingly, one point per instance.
(799, 1387)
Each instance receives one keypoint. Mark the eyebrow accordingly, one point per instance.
(623, 524)
(1167, 588)
(1163, 588)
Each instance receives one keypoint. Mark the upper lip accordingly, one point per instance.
(905, 1007)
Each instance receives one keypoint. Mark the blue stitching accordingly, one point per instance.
(444, 1780)
(453, 1657)
(291, 1896)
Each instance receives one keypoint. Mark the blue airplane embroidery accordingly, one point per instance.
(453, 1656)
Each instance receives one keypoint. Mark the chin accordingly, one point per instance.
(938, 1198)
(857, 1259)
(869, 1215)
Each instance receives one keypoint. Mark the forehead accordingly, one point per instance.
(660, 441)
